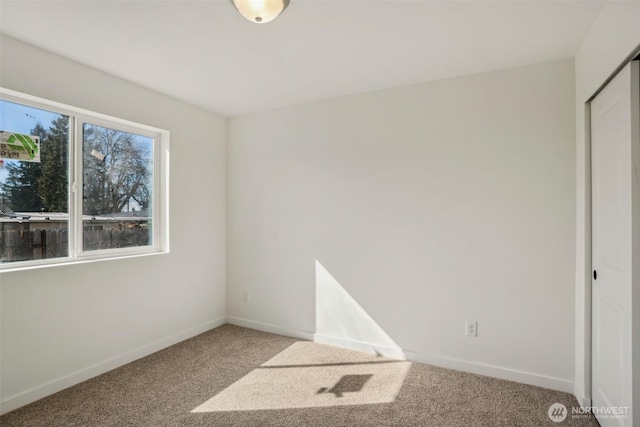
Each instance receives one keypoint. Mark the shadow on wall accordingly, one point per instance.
(340, 320)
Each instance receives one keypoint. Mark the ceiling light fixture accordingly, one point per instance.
(260, 11)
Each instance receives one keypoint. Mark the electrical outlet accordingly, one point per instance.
(471, 328)
(245, 296)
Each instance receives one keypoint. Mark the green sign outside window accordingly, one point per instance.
(16, 146)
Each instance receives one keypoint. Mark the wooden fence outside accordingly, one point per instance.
(25, 245)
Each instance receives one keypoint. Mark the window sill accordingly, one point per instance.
(33, 265)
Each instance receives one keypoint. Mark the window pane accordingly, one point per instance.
(117, 188)
(34, 215)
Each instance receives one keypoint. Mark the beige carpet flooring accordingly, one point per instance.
(233, 376)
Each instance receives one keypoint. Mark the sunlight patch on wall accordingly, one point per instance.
(340, 320)
(310, 375)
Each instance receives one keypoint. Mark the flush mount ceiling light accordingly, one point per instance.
(260, 11)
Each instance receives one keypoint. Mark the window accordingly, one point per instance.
(117, 190)
(34, 208)
(78, 185)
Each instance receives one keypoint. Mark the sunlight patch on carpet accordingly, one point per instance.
(311, 375)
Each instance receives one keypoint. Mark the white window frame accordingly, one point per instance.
(160, 204)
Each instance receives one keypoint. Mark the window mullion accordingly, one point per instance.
(77, 186)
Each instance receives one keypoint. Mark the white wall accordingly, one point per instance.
(428, 204)
(63, 324)
(612, 38)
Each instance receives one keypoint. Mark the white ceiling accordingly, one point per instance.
(205, 53)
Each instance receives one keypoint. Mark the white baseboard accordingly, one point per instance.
(580, 396)
(38, 392)
(503, 373)
(509, 374)
(272, 329)
(397, 353)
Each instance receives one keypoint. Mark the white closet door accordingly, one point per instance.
(614, 168)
